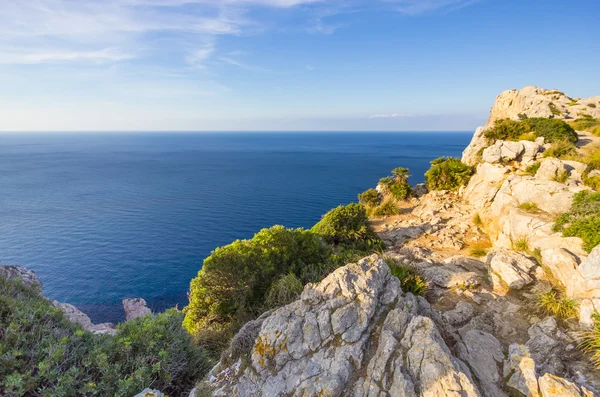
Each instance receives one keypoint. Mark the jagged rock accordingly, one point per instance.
(462, 313)
(519, 370)
(519, 224)
(317, 345)
(149, 393)
(471, 153)
(484, 185)
(512, 267)
(553, 386)
(448, 275)
(75, 315)
(585, 281)
(27, 277)
(135, 307)
(420, 189)
(544, 345)
(507, 151)
(483, 353)
(561, 263)
(551, 169)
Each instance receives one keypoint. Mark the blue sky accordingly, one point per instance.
(76, 65)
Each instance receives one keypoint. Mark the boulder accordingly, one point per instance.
(561, 263)
(551, 169)
(27, 277)
(461, 313)
(503, 152)
(512, 267)
(483, 354)
(317, 345)
(471, 153)
(149, 393)
(585, 281)
(135, 307)
(554, 386)
(519, 370)
(484, 185)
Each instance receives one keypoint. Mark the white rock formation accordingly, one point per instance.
(135, 307)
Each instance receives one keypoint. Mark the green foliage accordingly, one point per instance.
(477, 220)
(529, 207)
(410, 278)
(521, 245)
(397, 184)
(386, 181)
(231, 288)
(447, 173)
(43, 354)
(592, 160)
(387, 208)
(583, 220)
(591, 105)
(555, 304)
(551, 129)
(554, 110)
(369, 198)
(560, 149)
(561, 177)
(348, 225)
(401, 173)
(590, 343)
(283, 291)
(585, 123)
(478, 252)
(573, 102)
(592, 181)
(532, 169)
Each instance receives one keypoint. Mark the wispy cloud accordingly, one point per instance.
(416, 7)
(242, 65)
(392, 115)
(58, 56)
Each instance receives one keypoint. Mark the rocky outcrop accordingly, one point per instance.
(76, 316)
(525, 152)
(512, 268)
(353, 334)
(27, 277)
(135, 308)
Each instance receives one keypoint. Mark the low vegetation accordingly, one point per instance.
(397, 184)
(477, 220)
(554, 303)
(478, 252)
(532, 169)
(369, 198)
(554, 110)
(410, 278)
(521, 245)
(529, 207)
(583, 220)
(387, 208)
(561, 149)
(586, 123)
(448, 173)
(43, 354)
(590, 343)
(551, 130)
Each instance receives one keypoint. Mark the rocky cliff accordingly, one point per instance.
(476, 332)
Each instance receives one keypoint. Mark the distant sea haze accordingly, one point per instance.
(102, 217)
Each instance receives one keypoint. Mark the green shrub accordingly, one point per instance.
(573, 102)
(397, 184)
(231, 288)
(591, 105)
(554, 110)
(592, 160)
(447, 173)
(477, 220)
(410, 278)
(590, 343)
(43, 354)
(532, 169)
(550, 129)
(521, 245)
(529, 207)
(283, 291)
(369, 198)
(555, 304)
(592, 181)
(585, 123)
(348, 225)
(387, 208)
(583, 220)
(561, 177)
(560, 149)
(478, 252)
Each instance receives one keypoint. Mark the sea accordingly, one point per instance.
(105, 216)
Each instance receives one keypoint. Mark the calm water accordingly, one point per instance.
(104, 217)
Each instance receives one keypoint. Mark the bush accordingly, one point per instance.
(591, 105)
(583, 220)
(447, 173)
(551, 130)
(591, 341)
(397, 185)
(478, 252)
(388, 208)
(592, 181)
(521, 245)
(369, 198)
(560, 149)
(231, 288)
(283, 291)
(42, 353)
(532, 169)
(554, 110)
(529, 207)
(348, 225)
(585, 123)
(554, 304)
(410, 278)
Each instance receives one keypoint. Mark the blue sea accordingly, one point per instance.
(102, 217)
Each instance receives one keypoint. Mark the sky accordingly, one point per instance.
(366, 65)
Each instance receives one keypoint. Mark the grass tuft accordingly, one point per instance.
(529, 207)
(410, 279)
(556, 304)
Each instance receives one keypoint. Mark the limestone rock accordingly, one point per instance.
(519, 370)
(554, 386)
(75, 315)
(512, 267)
(507, 151)
(478, 143)
(149, 393)
(135, 307)
(317, 345)
(27, 277)
(462, 313)
(551, 169)
(585, 281)
(561, 263)
(483, 353)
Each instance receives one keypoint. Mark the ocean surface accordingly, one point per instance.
(102, 217)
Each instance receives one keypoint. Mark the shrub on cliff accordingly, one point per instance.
(369, 198)
(583, 220)
(348, 226)
(234, 281)
(397, 184)
(550, 129)
(585, 123)
(43, 354)
(447, 173)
